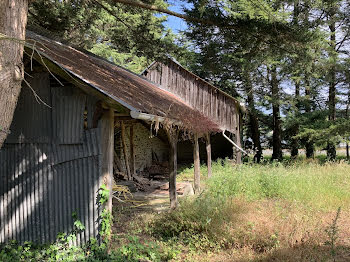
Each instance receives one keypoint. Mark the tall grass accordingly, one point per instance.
(272, 212)
(325, 187)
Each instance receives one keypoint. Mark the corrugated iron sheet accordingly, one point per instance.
(41, 185)
(31, 113)
(26, 181)
(128, 89)
(68, 105)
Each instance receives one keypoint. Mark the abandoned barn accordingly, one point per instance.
(77, 116)
(212, 102)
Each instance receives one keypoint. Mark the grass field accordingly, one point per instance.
(296, 211)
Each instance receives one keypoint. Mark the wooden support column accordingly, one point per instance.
(126, 157)
(172, 138)
(197, 175)
(107, 136)
(208, 147)
(238, 141)
(132, 151)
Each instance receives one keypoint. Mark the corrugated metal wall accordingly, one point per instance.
(197, 93)
(46, 175)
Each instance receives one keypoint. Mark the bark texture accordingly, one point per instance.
(295, 129)
(331, 149)
(253, 119)
(276, 139)
(13, 21)
(309, 145)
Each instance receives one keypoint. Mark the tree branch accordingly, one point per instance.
(166, 11)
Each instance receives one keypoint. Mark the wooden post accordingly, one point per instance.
(107, 136)
(126, 157)
(172, 137)
(197, 175)
(238, 141)
(132, 151)
(208, 147)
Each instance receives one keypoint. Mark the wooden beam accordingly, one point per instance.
(124, 118)
(173, 138)
(107, 136)
(132, 151)
(126, 157)
(197, 175)
(208, 147)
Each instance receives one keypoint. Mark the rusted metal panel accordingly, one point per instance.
(199, 94)
(126, 88)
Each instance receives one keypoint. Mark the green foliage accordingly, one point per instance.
(128, 36)
(106, 216)
(135, 250)
(106, 224)
(104, 194)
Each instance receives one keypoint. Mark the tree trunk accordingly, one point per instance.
(13, 21)
(294, 152)
(331, 147)
(253, 119)
(347, 117)
(309, 145)
(295, 128)
(276, 139)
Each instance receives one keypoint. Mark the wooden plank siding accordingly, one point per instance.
(199, 94)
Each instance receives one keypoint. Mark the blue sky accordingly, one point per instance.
(176, 24)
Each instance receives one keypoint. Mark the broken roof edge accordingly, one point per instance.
(172, 59)
(71, 74)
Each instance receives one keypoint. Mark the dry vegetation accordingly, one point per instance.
(250, 213)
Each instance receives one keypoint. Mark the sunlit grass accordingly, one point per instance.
(318, 186)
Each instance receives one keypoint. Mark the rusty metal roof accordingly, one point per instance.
(128, 89)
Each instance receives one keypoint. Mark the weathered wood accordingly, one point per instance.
(238, 142)
(126, 158)
(173, 138)
(209, 100)
(197, 175)
(208, 147)
(107, 140)
(132, 151)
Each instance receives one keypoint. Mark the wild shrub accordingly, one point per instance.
(202, 221)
